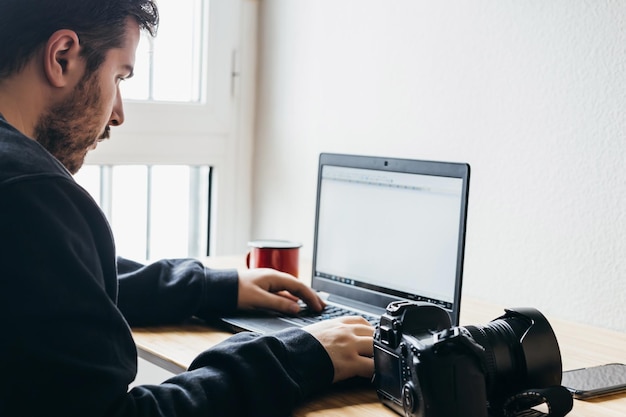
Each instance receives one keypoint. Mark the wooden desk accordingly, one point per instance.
(175, 347)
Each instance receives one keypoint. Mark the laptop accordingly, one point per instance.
(386, 229)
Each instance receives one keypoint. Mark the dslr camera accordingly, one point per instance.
(424, 367)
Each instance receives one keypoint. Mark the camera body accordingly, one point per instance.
(424, 367)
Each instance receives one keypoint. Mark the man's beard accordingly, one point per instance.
(69, 129)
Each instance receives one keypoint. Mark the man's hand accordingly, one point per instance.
(273, 290)
(349, 342)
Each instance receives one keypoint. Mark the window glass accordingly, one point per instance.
(129, 210)
(155, 211)
(169, 216)
(89, 178)
(169, 67)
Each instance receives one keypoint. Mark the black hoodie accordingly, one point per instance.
(66, 302)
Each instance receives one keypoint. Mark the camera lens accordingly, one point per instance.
(521, 350)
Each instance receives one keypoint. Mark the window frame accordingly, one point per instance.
(217, 132)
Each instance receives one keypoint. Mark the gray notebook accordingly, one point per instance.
(386, 229)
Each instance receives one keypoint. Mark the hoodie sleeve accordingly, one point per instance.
(246, 375)
(172, 290)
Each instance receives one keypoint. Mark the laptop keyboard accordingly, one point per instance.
(307, 316)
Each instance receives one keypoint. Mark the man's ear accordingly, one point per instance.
(62, 60)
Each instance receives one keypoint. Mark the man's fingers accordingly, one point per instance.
(348, 342)
(288, 295)
(364, 366)
(279, 302)
(269, 289)
(297, 288)
(365, 346)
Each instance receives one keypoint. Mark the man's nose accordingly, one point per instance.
(117, 115)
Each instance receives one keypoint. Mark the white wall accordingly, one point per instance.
(531, 93)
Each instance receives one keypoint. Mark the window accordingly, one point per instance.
(189, 105)
(155, 211)
(171, 66)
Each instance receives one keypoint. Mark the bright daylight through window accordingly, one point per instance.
(170, 66)
(155, 211)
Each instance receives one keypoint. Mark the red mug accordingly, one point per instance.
(282, 255)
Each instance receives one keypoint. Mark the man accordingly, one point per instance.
(65, 300)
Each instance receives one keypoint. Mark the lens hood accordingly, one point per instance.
(539, 348)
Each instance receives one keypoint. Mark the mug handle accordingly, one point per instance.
(248, 260)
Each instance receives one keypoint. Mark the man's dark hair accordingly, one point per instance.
(25, 26)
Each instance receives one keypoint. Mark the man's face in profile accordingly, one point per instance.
(72, 127)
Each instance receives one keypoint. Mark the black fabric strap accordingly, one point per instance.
(558, 400)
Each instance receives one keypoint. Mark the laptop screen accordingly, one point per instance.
(389, 229)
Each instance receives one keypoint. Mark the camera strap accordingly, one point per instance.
(557, 399)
